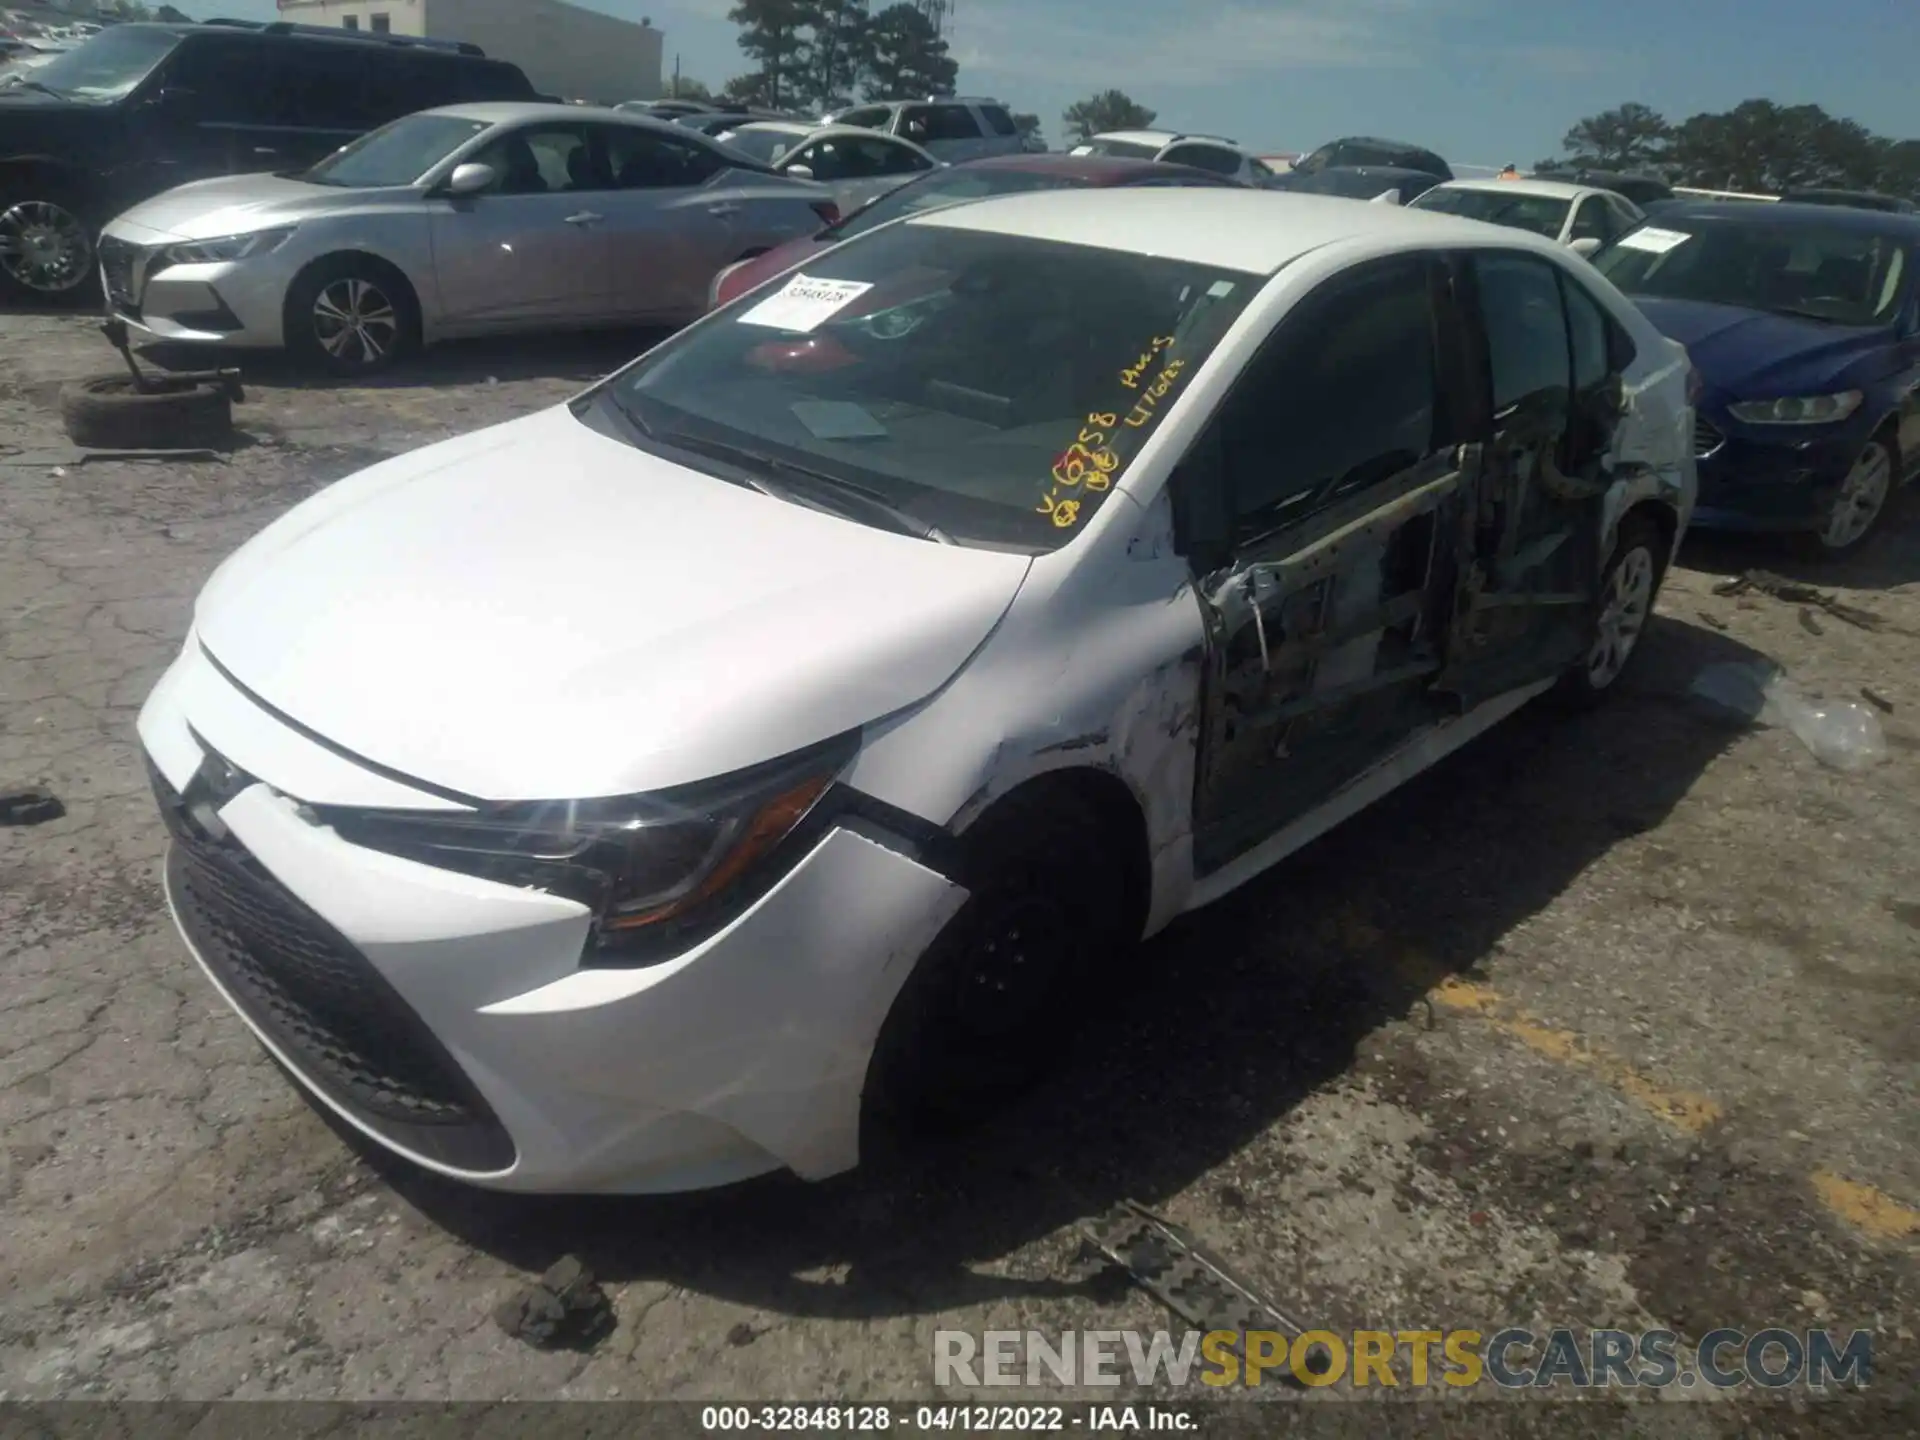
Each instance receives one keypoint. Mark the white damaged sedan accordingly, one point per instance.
(671, 786)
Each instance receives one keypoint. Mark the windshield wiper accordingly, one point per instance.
(34, 85)
(901, 520)
(635, 422)
(1810, 315)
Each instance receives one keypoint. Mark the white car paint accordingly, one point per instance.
(805, 151)
(534, 610)
(1578, 198)
(1173, 147)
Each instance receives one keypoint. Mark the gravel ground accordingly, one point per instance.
(1606, 1022)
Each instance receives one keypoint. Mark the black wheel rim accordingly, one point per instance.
(44, 247)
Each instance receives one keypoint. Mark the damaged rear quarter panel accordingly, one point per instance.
(1096, 666)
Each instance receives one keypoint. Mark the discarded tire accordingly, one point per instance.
(107, 413)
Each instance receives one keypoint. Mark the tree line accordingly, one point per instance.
(1757, 146)
(823, 54)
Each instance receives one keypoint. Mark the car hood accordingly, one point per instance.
(537, 611)
(1755, 352)
(236, 204)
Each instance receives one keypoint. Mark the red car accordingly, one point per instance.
(952, 185)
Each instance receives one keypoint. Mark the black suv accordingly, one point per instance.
(138, 109)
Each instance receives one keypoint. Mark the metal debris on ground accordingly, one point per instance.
(1874, 698)
(564, 1309)
(1794, 592)
(1169, 1263)
(1714, 620)
(31, 805)
(1839, 733)
(1808, 623)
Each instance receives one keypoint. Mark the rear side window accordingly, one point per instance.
(939, 122)
(1343, 397)
(1204, 157)
(999, 120)
(641, 160)
(1527, 343)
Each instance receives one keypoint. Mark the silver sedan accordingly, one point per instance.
(467, 220)
(857, 165)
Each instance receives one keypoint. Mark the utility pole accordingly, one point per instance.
(676, 75)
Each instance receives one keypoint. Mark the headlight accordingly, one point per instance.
(227, 247)
(1798, 409)
(649, 867)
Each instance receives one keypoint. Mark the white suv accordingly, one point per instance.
(954, 128)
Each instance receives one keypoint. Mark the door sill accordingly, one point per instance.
(1424, 748)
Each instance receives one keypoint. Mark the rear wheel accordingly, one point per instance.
(1629, 585)
(46, 248)
(351, 316)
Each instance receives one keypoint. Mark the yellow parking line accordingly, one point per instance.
(1682, 1109)
(1865, 1208)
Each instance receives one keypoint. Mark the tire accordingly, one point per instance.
(991, 1002)
(326, 296)
(47, 249)
(107, 413)
(1862, 503)
(1629, 589)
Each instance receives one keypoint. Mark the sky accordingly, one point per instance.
(1484, 82)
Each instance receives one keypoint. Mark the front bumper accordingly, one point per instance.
(236, 304)
(450, 1020)
(1752, 480)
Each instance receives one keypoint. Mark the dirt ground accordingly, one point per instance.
(1607, 1021)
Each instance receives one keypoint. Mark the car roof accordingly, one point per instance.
(1230, 228)
(1094, 169)
(1548, 189)
(1139, 137)
(501, 112)
(799, 127)
(1786, 213)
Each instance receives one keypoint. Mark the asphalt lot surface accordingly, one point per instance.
(1608, 1021)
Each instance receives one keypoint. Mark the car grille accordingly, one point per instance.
(321, 1001)
(120, 265)
(1706, 439)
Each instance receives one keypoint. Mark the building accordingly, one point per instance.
(568, 51)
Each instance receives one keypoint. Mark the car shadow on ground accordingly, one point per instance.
(584, 357)
(1890, 559)
(1210, 1034)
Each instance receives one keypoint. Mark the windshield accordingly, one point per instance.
(1842, 274)
(1542, 214)
(395, 154)
(106, 66)
(766, 146)
(993, 386)
(944, 187)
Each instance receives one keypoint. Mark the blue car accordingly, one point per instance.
(1803, 322)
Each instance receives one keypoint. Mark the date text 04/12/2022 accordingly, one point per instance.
(932, 1419)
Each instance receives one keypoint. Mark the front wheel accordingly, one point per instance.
(46, 250)
(991, 1002)
(1629, 585)
(1858, 507)
(351, 317)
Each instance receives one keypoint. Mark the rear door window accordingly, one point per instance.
(939, 122)
(1216, 158)
(637, 159)
(1592, 221)
(998, 120)
(1528, 351)
(868, 117)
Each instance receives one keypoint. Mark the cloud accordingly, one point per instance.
(1190, 42)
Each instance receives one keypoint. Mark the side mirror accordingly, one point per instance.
(799, 172)
(469, 179)
(1585, 247)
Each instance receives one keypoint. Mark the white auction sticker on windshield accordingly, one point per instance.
(805, 303)
(1653, 240)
